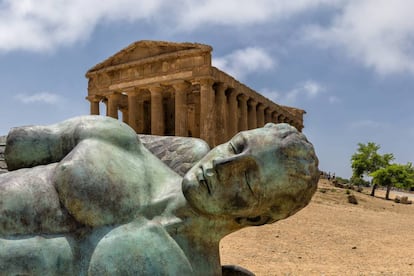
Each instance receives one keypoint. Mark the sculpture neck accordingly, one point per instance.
(199, 237)
(201, 249)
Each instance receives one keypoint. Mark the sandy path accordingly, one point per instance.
(330, 237)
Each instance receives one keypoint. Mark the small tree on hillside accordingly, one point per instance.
(367, 160)
(397, 175)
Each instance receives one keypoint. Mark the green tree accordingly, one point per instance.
(397, 175)
(367, 160)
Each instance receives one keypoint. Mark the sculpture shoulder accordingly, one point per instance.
(139, 248)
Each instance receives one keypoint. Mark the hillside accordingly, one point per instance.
(330, 237)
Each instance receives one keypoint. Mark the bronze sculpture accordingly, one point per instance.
(87, 198)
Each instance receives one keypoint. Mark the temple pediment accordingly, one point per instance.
(145, 49)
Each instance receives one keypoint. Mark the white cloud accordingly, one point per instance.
(43, 97)
(41, 25)
(312, 88)
(309, 89)
(245, 12)
(38, 25)
(245, 61)
(377, 33)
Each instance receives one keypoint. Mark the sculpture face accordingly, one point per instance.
(262, 175)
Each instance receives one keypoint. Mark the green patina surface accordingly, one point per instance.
(85, 197)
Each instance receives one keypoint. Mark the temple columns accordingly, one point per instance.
(275, 117)
(140, 116)
(280, 118)
(260, 115)
(125, 115)
(112, 105)
(181, 110)
(252, 115)
(94, 105)
(132, 109)
(243, 123)
(207, 112)
(221, 119)
(268, 115)
(232, 120)
(157, 111)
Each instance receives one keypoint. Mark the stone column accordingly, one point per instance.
(132, 109)
(275, 117)
(105, 101)
(243, 123)
(157, 111)
(280, 118)
(251, 114)
(94, 105)
(125, 115)
(140, 114)
(268, 115)
(221, 113)
(207, 111)
(260, 115)
(112, 110)
(232, 120)
(181, 109)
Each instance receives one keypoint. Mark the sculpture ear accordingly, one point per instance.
(252, 221)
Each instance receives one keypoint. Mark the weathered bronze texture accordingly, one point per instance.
(86, 197)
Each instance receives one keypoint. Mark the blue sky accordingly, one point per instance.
(349, 64)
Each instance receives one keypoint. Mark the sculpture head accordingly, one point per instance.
(260, 176)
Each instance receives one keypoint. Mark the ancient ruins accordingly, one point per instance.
(166, 88)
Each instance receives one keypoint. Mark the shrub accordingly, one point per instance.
(339, 185)
(358, 181)
(341, 180)
(360, 189)
(352, 199)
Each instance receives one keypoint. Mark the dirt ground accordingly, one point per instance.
(330, 237)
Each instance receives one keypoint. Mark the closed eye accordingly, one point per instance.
(232, 148)
(238, 144)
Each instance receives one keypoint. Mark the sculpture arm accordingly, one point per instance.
(40, 145)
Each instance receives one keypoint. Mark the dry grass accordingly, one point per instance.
(330, 237)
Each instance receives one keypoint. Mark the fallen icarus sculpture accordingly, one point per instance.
(86, 197)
